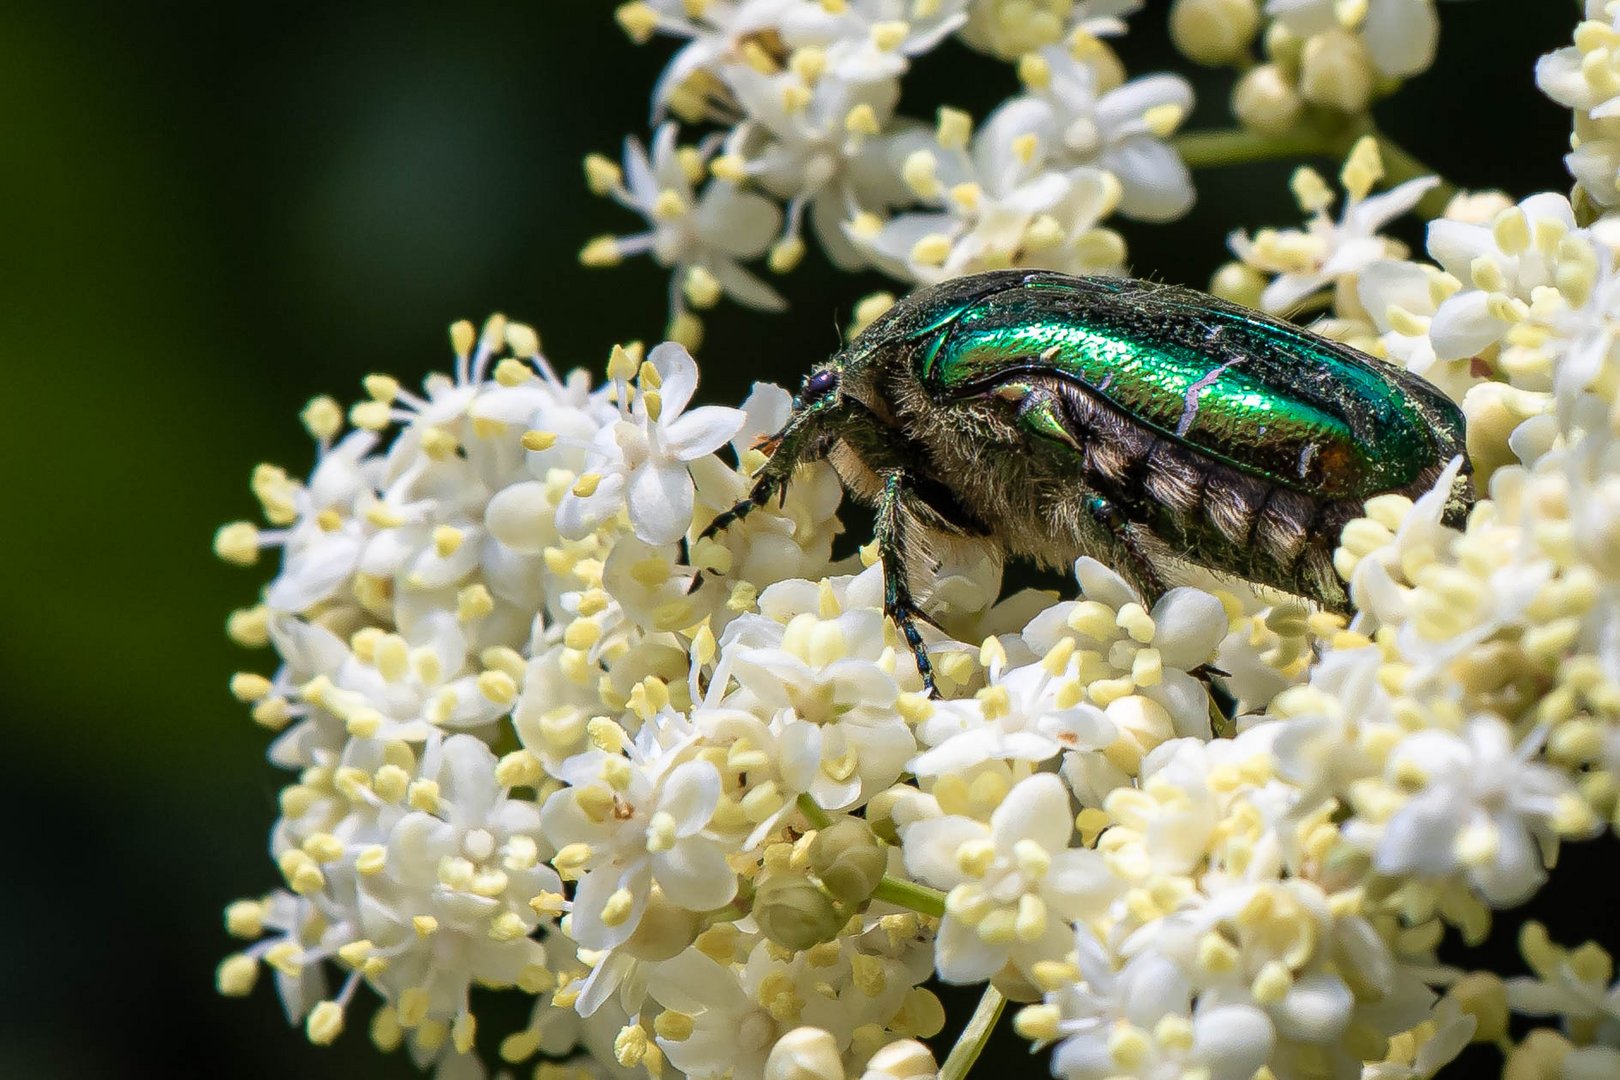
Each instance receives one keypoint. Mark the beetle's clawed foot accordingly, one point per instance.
(906, 616)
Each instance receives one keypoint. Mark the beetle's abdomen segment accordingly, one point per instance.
(1206, 508)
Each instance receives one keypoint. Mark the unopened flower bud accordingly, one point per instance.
(1213, 31)
(1239, 283)
(1494, 411)
(1335, 71)
(849, 859)
(794, 913)
(1540, 1056)
(1264, 100)
(1483, 995)
(664, 931)
(907, 1059)
(805, 1053)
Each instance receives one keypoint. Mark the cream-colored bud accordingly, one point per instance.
(665, 930)
(805, 1053)
(793, 912)
(1335, 71)
(1239, 283)
(1265, 101)
(1539, 1056)
(1214, 31)
(907, 1059)
(849, 859)
(1483, 995)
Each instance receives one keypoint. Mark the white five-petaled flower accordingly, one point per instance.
(1325, 251)
(624, 824)
(705, 234)
(1122, 131)
(827, 687)
(642, 459)
(461, 886)
(1001, 203)
(1015, 884)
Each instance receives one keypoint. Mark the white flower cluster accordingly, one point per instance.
(801, 97)
(1585, 77)
(688, 795)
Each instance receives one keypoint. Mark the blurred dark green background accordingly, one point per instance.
(213, 211)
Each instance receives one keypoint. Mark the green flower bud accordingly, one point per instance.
(849, 859)
(794, 912)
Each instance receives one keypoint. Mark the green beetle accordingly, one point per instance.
(1145, 425)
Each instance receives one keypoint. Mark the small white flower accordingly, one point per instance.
(1004, 204)
(636, 821)
(1122, 131)
(1307, 261)
(1015, 884)
(642, 460)
(829, 702)
(711, 232)
(1137, 1019)
(469, 864)
(1498, 264)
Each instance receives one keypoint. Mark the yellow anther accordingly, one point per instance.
(1038, 1023)
(1272, 984)
(954, 129)
(325, 1023)
(931, 250)
(861, 120)
(639, 20)
(668, 205)
(323, 418)
(975, 857)
(373, 859)
(1163, 120)
(587, 484)
(238, 543)
(424, 795)
(601, 251)
(888, 36)
(617, 910)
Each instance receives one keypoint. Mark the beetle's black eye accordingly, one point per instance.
(820, 384)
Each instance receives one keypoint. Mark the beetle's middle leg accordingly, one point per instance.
(898, 603)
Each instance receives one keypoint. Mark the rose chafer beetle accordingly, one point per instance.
(1146, 425)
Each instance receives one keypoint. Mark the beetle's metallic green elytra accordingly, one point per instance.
(1145, 425)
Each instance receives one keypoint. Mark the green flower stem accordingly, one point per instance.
(1208, 149)
(1212, 149)
(974, 1036)
(906, 894)
(1400, 166)
(813, 812)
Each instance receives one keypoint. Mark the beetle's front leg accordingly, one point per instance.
(808, 433)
